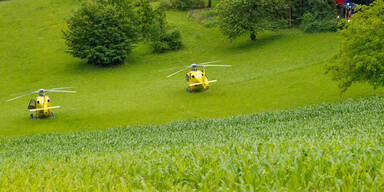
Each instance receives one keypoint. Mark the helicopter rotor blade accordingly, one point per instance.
(172, 68)
(189, 66)
(177, 72)
(215, 65)
(22, 93)
(197, 65)
(30, 93)
(60, 91)
(61, 88)
(208, 62)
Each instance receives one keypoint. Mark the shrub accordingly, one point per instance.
(183, 4)
(238, 17)
(170, 40)
(207, 17)
(101, 32)
(320, 9)
(153, 27)
(362, 2)
(361, 54)
(315, 23)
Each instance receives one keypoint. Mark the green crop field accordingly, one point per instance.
(279, 71)
(329, 147)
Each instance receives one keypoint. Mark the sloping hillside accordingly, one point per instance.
(278, 71)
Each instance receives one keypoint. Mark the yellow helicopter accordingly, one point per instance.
(42, 106)
(197, 80)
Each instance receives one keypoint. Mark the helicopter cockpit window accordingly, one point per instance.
(32, 104)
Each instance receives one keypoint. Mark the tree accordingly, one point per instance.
(238, 17)
(101, 32)
(153, 27)
(318, 13)
(361, 54)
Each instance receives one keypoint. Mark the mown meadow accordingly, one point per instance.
(280, 70)
(328, 147)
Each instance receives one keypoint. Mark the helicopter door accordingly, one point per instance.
(32, 104)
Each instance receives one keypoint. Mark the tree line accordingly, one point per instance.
(104, 31)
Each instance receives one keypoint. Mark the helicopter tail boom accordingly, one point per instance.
(41, 109)
(193, 84)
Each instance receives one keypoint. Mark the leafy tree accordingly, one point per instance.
(238, 17)
(361, 54)
(319, 16)
(319, 22)
(362, 2)
(153, 27)
(146, 18)
(183, 4)
(101, 32)
(313, 15)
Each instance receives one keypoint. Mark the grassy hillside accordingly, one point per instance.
(338, 147)
(279, 71)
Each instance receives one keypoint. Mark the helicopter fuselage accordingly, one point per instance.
(43, 106)
(197, 80)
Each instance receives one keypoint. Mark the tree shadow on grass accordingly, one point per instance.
(244, 43)
(83, 67)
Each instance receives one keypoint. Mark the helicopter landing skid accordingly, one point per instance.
(188, 89)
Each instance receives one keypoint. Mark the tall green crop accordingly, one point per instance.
(335, 147)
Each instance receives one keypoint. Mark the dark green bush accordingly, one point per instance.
(153, 27)
(362, 2)
(298, 8)
(315, 15)
(239, 17)
(206, 17)
(170, 40)
(313, 23)
(183, 4)
(101, 32)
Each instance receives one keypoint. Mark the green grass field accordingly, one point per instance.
(330, 147)
(279, 71)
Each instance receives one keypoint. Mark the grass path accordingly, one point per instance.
(279, 71)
